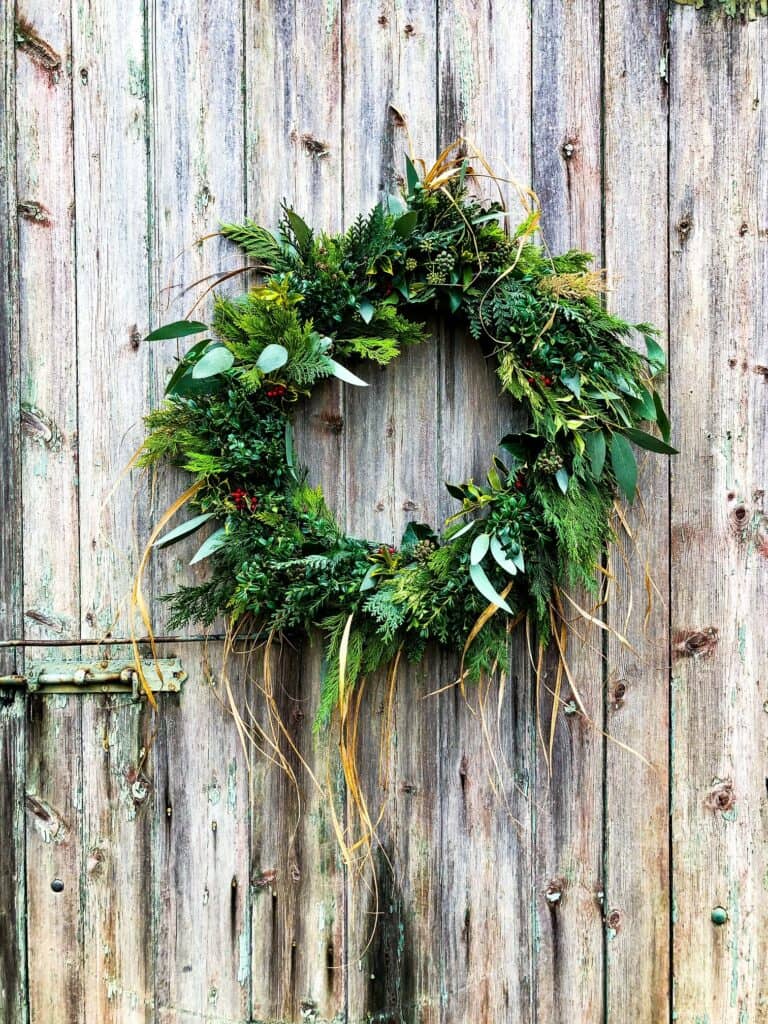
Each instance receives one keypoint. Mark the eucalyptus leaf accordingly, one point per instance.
(178, 329)
(366, 310)
(595, 442)
(369, 580)
(486, 588)
(216, 359)
(183, 531)
(272, 357)
(479, 548)
(217, 540)
(460, 532)
(624, 465)
(562, 479)
(502, 559)
(346, 375)
(572, 382)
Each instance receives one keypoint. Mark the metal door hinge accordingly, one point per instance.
(114, 676)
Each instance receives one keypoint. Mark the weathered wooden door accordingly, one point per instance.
(143, 876)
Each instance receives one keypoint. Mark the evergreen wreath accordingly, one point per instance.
(539, 523)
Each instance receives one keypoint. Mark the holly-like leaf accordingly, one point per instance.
(272, 357)
(653, 444)
(183, 531)
(217, 540)
(624, 465)
(486, 588)
(479, 548)
(178, 329)
(216, 360)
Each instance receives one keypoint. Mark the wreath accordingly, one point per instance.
(540, 522)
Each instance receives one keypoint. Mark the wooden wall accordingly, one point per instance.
(192, 893)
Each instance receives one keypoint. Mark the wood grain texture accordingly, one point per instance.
(636, 853)
(718, 202)
(568, 870)
(295, 153)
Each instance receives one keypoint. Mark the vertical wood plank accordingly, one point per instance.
(295, 152)
(110, 152)
(201, 811)
(718, 308)
(637, 797)
(568, 832)
(13, 975)
(392, 462)
(484, 72)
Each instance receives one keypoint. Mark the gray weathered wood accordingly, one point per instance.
(718, 310)
(636, 852)
(568, 871)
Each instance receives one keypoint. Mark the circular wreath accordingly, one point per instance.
(540, 521)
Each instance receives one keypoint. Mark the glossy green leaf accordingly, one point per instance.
(290, 456)
(178, 329)
(301, 231)
(366, 310)
(405, 225)
(479, 548)
(217, 359)
(502, 559)
(656, 355)
(183, 531)
(217, 540)
(369, 580)
(411, 175)
(486, 588)
(454, 300)
(595, 442)
(346, 375)
(624, 465)
(185, 364)
(653, 444)
(562, 479)
(456, 491)
(272, 357)
(572, 382)
(661, 417)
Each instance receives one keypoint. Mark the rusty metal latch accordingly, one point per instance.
(113, 676)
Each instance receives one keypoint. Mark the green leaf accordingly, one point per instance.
(405, 225)
(562, 479)
(661, 416)
(653, 444)
(183, 531)
(624, 465)
(302, 232)
(486, 588)
(461, 531)
(290, 456)
(217, 359)
(656, 355)
(518, 559)
(456, 491)
(479, 548)
(454, 300)
(643, 407)
(366, 310)
(217, 540)
(502, 559)
(346, 375)
(595, 442)
(272, 357)
(572, 382)
(178, 329)
(395, 205)
(184, 365)
(411, 175)
(369, 580)
(414, 532)
(188, 387)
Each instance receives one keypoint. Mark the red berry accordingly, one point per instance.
(254, 504)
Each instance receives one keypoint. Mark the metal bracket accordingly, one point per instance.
(109, 676)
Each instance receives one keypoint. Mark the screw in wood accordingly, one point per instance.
(57, 885)
(719, 915)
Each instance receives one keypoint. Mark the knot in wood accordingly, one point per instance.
(554, 891)
(613, 920)
(697, 643)
(721, 796)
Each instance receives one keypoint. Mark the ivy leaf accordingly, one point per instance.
(572, 382)
(486, 588)
(656, 355)
(411, 175)
(301, 231)
(346, 375)
(562, 479)
(217, 540)
(595, 442)
(653, 444)
(216, 360)
(183, 531)
(661, 416)
(272, 357)
(624, 465)
(405, 225)
(178, 329)
(366, 310)
(479, 548)
(501, 557)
